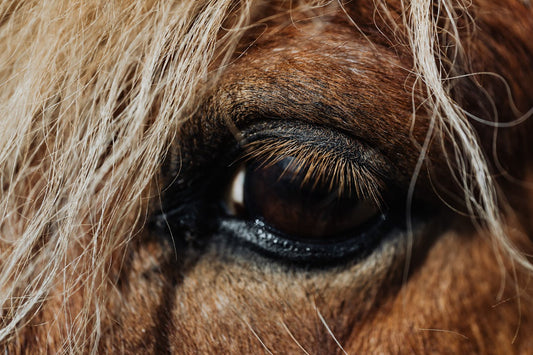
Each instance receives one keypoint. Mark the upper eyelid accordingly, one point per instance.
(328, 158)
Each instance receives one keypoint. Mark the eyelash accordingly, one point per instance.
(322, 168)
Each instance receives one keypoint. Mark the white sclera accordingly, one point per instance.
(236, 196)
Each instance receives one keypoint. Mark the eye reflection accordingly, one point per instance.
(286, 199)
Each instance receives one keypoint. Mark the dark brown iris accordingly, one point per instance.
(278, 195)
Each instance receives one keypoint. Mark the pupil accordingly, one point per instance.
(279, 195)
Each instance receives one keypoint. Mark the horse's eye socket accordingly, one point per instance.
(287, 199)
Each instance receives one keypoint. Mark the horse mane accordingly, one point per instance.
(92, 95)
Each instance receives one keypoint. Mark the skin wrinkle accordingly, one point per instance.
(197, 292)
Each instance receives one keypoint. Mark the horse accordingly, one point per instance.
(304, 176)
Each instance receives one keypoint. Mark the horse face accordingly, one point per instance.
(300, 209)
(302, 83)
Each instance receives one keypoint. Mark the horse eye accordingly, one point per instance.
(296, 205)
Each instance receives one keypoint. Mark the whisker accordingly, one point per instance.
(257, 336)
(293, 338)
(329, 330)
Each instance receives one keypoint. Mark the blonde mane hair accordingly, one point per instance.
(92, 94)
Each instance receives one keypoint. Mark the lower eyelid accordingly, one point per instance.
(257, 236)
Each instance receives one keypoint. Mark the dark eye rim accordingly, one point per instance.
(265, 240)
